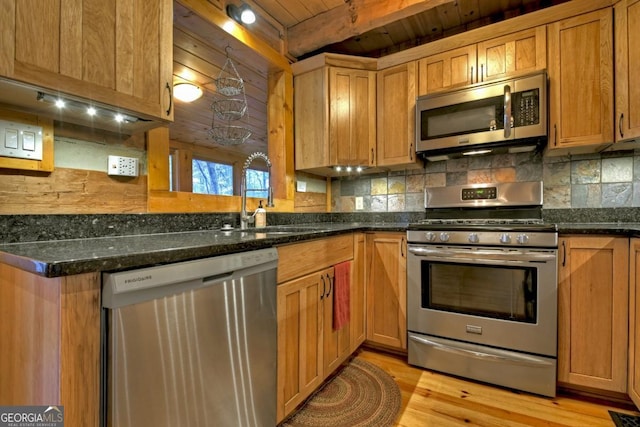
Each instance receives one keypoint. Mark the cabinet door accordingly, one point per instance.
(335, 343)
(447, 70)
(396, 115)
(299, 339)
(113, 52)
(522, 52)
(357, 321)
(593, 312)
(627, 42)
(581, 83)
(352, 125)
(634, 318)
(311, 112)
(386, 289)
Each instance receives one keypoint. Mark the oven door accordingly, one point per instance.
(495, 296)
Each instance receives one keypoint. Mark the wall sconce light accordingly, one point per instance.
(186, 92)
(241, 14)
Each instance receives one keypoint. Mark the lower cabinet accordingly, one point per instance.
(386, 272)
(593, 314)
(50, 340)
(634, 319)
(300, 315)
(309, 348)
(358, 319)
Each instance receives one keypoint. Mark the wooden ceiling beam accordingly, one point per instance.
(350, 19)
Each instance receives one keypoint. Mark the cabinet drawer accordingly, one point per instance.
(298, 259)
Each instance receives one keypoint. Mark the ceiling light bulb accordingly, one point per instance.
(359, 169)
(186, 92)
(60, 103)
(348, 168)
(241, 14)
(338, 168)
(247, 16)
(119, 118)
(91, 111)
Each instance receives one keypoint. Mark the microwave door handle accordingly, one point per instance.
(507, 111)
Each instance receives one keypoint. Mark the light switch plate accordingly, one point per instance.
(359, 203)
(20, 140)
(122, 166)
(301, 186)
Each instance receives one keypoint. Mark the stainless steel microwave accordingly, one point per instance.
(508, 115)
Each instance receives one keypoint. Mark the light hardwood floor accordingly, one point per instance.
(434, 399)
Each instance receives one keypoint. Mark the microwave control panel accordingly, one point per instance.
(526, 108)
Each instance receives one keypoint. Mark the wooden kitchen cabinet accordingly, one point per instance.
(581, 86)
(300, 314)
(634, 321)
(447, 70)
(518, 53)
(50, 336)
(111, 52)
(335, 118)
(358, 315)
(309, 349)
(396, 116)
(627, 64)
(593, 312)
(386, 289)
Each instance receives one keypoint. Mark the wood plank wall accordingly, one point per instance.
(70, 191)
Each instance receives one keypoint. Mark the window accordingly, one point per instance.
(257, 183)
(212, 178)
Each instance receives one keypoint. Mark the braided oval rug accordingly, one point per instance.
(361, 394)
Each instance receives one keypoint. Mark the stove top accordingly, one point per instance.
(506, 214)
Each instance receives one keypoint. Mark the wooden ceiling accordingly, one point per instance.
(302, 28)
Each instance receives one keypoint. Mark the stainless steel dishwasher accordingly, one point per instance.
(192, 344)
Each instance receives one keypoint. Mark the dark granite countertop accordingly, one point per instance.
(628, 229)
(54, 258)
(63, 257)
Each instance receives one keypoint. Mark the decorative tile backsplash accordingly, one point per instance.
(609, 180)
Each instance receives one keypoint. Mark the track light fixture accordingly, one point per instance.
(241, 14)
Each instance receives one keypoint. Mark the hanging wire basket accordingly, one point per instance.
(229, 108)
(229, 135)
(229, 82)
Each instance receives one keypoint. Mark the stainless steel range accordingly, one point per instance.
(482, 286)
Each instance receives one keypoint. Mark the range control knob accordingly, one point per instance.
(444, 237)
(430, 236)
(522, 239)
(473, 238)
(505, 238)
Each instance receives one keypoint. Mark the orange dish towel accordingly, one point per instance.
(341, 292)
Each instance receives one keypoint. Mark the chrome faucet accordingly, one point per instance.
(245, 219)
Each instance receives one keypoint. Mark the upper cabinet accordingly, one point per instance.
(112, 52)
(580, 51)
(334, 113)
(627, 63)
(396, 116)
(447, 70)
(517, 53)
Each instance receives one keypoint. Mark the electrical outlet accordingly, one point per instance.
(359, 203)
(123, 166)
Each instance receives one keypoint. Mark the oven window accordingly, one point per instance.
(482, 290)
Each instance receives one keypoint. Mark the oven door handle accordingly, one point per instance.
(481, 254)
(520, 359)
